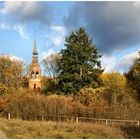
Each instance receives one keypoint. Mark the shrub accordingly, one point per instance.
(36, 104)
(87, 103)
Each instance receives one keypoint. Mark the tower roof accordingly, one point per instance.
(35, 53)
(34, 47)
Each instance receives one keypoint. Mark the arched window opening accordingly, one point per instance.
(32, 74)
(37, 74)
(34, 86)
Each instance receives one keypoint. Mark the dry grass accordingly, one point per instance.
(33, 129)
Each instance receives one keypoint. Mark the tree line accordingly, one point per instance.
(76, 79)
(75, 67)
(78, 66)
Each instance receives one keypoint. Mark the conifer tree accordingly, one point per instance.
(79, 65)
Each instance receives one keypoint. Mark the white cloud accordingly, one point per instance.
(5, 26)
(59, 29)
(46, 54)
(55, 39)
(108, 63)
(13, 57)
(56, 35)
(21, 30)
(27, 11)
(18, 28)
(122, 64)
(126, 61)
(10, 7)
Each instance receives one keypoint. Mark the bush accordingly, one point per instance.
(87, 103)
(31, 103)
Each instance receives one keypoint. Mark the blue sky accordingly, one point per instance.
(113, 26)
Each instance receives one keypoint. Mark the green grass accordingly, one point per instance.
(16, 128)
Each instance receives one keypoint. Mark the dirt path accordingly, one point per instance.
(2, 135)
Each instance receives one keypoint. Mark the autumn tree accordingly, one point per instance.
(48, 85)
(51, 65)
(79, 65)
(11, 74)
(133, 76)
(115, 85)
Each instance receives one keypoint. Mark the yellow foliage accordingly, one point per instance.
(115, 85)
(114, 81)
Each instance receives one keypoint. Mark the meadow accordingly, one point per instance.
(16, 128)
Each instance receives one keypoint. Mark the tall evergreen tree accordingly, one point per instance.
(79, 65)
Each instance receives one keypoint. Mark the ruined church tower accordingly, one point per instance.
(34, 70)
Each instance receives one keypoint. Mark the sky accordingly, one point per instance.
(113, 26)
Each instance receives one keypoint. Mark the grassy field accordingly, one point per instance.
(16, 128)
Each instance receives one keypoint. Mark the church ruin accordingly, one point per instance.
(35, 70)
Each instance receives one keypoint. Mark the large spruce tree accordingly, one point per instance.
(79, 65)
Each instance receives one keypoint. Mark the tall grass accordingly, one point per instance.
(32, 129)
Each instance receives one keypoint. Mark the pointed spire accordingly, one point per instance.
(34, 47)
(35, 53)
